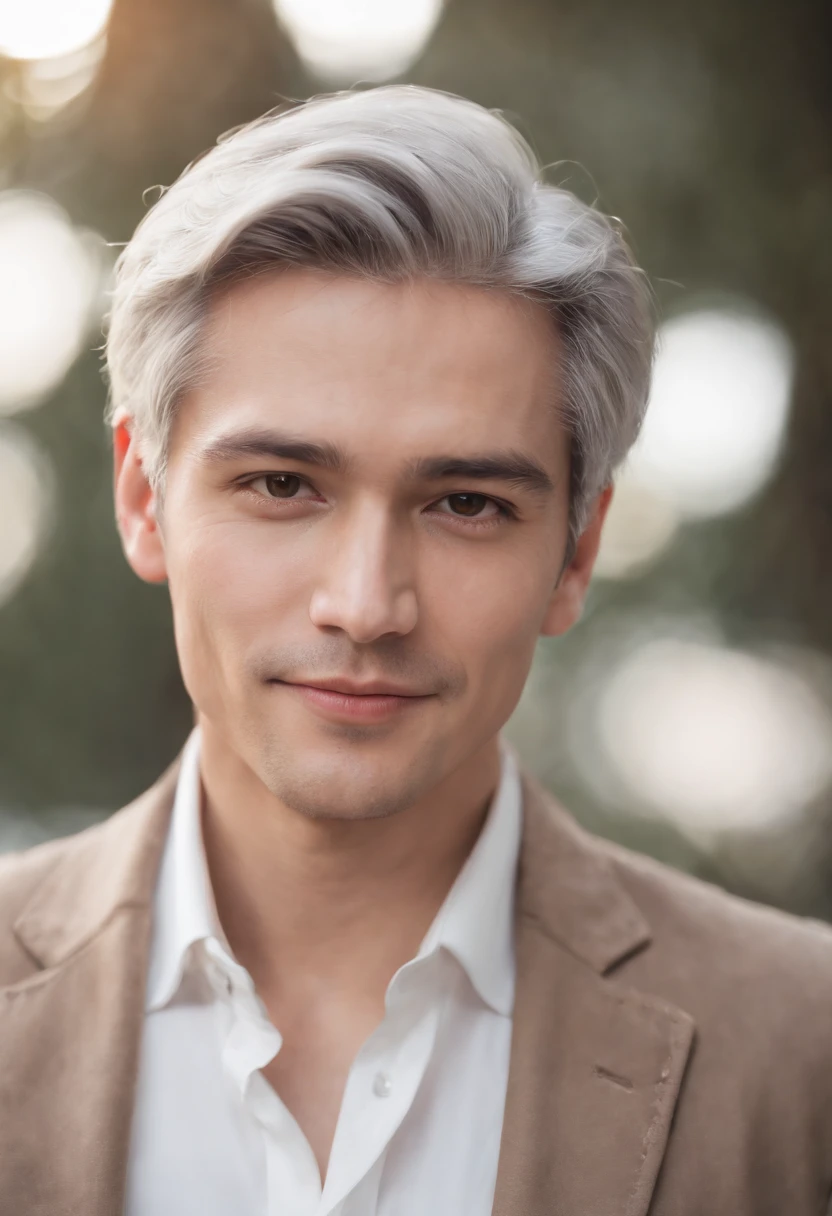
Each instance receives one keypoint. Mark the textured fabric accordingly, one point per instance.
(420, 1125)
(671, 1051)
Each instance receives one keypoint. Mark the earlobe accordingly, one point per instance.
(135, 504)
(567, 600)
(565, 604)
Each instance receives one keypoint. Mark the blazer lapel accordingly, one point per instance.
(70, 1032)
(595, 1066)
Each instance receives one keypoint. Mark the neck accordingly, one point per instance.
(329, 903)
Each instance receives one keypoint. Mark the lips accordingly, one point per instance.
(344, 700)
(373, 688)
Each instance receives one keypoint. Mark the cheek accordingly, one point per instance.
(232, 574)
(490, 615)
(232, 588)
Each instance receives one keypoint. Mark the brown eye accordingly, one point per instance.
(467, 504)
(282, 485)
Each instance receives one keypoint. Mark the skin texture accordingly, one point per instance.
(333, 828)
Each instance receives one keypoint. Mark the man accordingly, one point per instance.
(370, 381)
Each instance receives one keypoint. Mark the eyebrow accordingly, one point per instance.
(276, 444)
(514, 468)
(518, 471)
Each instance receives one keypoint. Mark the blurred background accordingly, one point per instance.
(690, 713)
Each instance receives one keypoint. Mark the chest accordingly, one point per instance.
(416, 1126)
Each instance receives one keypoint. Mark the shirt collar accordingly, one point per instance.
(184, 911)
(475, 923)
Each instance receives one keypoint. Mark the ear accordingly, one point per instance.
(567, 600)
(141, 536)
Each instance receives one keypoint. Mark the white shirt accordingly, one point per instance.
(419, 1127)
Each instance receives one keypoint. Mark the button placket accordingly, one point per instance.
(379, 1092)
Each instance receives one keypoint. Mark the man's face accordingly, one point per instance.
(368, 495)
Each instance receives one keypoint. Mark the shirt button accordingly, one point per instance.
(382, 1085)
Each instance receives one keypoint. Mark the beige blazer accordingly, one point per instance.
(671, 1052)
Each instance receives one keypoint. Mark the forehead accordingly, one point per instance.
(399, 366)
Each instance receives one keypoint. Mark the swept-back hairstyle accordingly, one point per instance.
(388, 183)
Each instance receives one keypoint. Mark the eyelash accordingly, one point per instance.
(505, 512)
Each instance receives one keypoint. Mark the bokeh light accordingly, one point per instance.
(45, 86)
(346, 40)
(714, 429)
(711, 737)
(717, 412)
(639, 527)
(41, 29)
(26, 506)
(49, 288)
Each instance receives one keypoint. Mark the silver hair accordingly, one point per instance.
(389, 183)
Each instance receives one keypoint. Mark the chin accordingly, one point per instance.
(339, 785)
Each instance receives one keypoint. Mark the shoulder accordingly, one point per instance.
(58, 892)
(713, 932)
(727, 962)
(21, 876)
(756, 981)
(686, 935)
(23, 871)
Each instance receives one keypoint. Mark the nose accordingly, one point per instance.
(367, 587)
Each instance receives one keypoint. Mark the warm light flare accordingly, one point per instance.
(639, 527)
(349, 40)
(26, 506)
(51, 278)
(41, 29)
(712, 436)
(717, 413)
(712, 737)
